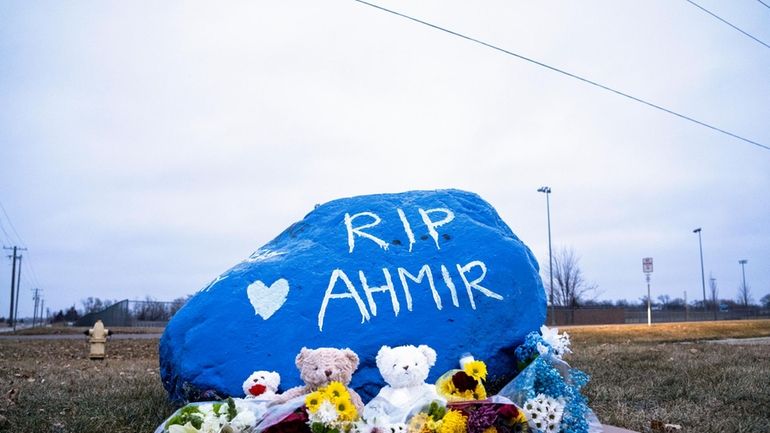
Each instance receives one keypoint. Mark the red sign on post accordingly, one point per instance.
(647, 265)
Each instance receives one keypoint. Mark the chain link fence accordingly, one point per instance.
(616, 315)
(133, 314)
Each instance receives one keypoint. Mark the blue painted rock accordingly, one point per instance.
(423, 267)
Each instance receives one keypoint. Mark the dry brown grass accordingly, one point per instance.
(71, 330)
(58, 390)
(667, 332)
(638, 374)
(705, 387)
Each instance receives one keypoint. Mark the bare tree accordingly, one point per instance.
(744, 294)
(570, 287)
(92, 305)
(765, 301)
(664, 300)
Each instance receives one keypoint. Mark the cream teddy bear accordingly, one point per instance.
(262, 385)
(320, 367)
(405, 369)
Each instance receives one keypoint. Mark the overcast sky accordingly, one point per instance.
(146, 148)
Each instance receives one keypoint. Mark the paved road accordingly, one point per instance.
(79, 337)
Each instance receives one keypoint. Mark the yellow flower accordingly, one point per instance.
(337, 391)
(453, 422)
(432, 425)
(480, 393)
(521, 418)
(476, 369)
(346, 410)
(446, 388)
(418, 423)
(491, 429)
(313, 400)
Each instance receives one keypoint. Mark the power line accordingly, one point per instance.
(569, 74)
(10, 223)
(21, 242)
(725, 21)
(764, 4)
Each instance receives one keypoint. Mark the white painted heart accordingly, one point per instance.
(267, 300)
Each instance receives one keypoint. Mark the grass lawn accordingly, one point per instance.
(666, 372)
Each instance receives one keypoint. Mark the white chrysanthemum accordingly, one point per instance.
(205, 408)
(187, 428)
(544, 413)
(243, 420)
(559, 343)
(211, 424)
(325, 414)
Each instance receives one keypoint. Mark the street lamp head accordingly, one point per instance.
(743, 262)
(545, 189)
(696, 230)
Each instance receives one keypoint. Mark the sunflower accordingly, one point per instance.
(346, 410)
(313, 401)
(480, 393)
(446, 387)
(454, 422)
(476, 369)
(337, 391)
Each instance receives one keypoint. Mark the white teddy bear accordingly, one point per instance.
(262, 385)
(405, 369)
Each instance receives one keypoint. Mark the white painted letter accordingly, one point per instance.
(359, 230)
(475, 283)
(351, 293)
(407, 228)
(388, 287)
(448, 217)
(450, 284)
(425, 270)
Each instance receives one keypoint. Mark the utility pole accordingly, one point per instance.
(36, 298)
(42, 318)
(14, 284)
(18, 295)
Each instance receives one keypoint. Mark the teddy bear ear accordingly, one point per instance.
(302, 356)
(381, 355)
(352, 357)
(429, 353)
(276, 378)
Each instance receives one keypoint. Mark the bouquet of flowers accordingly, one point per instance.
(330, 409)
(212, 418)
(547, 388)
(469, 417)
(466, 384)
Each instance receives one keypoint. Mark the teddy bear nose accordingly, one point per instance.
(328, 373)
(406, 367)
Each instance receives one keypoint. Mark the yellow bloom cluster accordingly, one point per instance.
(476, 369)
(447, 389)
(337, 394)
(453, 422)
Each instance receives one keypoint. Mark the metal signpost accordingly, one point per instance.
(647, 269)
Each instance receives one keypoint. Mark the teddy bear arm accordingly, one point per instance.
(356, 400)
(289, 394)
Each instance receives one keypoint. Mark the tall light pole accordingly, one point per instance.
(547, 191)
(702, 273)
